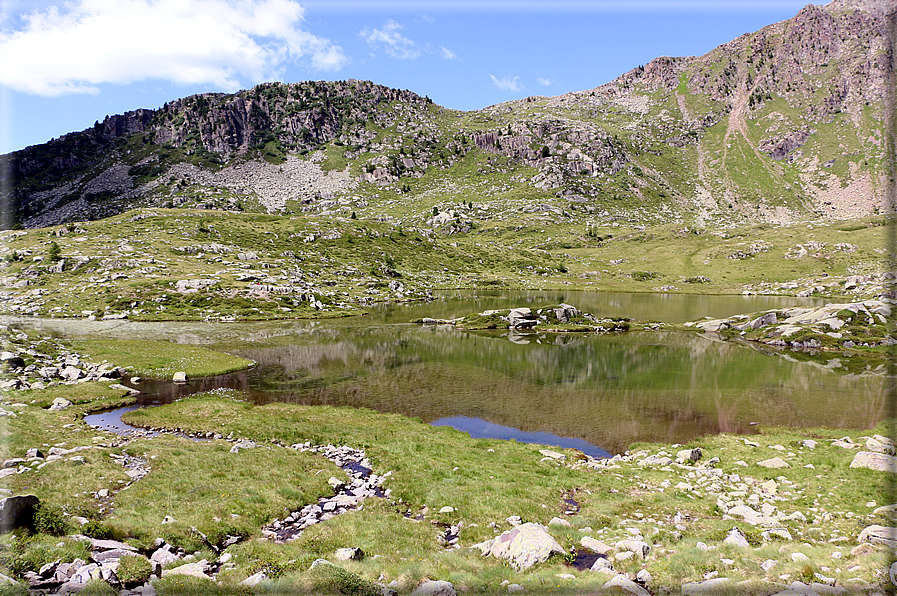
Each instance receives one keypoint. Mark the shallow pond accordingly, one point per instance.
(600, 393)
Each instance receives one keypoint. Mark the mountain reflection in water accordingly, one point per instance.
(607, 390)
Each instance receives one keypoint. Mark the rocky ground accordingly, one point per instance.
(865, 324)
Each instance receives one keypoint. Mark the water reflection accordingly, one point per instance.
(607, 390)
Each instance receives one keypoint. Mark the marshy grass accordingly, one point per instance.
(160, 359)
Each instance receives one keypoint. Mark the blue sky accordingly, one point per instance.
(67, 63)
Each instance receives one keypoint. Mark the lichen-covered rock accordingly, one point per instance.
(524, 546)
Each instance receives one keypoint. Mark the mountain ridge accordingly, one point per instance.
(776, 125)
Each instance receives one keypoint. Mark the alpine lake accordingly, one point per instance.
(599, 393)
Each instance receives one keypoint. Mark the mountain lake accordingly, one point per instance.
(596, 392)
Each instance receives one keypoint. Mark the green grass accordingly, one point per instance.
(229, 494)
(157, 359)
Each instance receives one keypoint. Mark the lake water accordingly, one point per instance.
(599, 393)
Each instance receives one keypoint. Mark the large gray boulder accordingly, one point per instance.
(17, 512)
(874, 461)
(526, 545)
(879, 535)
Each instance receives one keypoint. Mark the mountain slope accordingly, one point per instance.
(780, 125)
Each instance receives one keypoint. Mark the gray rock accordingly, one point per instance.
(245, 444)
(595, 545)
(603, 565)
(190, 569)
(774, 463)
(179, 377)
(59, 404)
(875, 461)
(349, 554)
(621, 584)
(689, 455)
(163, 557)
(717, 585)
(71, 373)
(643, 576)
(747, 514)
(736, 537)
(639, 547)
(17, 512)
(558, 522)
(435, 588)
(254, 580)
(9, 360)
(525, 545)
(97, 544)
(109, 555)
(879, 535)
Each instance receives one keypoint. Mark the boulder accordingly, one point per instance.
(562, 523)
(163, 557)
(179, 377)
(349, 554)
(17, 512)
(639, 547)
(254, 580)
(689, 455)
(60, 403)
(736, 537)
(879, 535)
(763, 320)
(620, 584)
(876, 445)
(9, 360)
(874, 461)
(774, 463)
(525, 545)
(435, 588)
(595, 545)
(602, 565)
(190, 569)
(746, 513)
(71, 373)
(565, 312)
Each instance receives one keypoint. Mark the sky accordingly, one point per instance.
(65, 64)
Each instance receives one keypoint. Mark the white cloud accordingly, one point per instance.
(218, 42)
(394, 43)
(507, 83)
(447, 53)
(544, 81)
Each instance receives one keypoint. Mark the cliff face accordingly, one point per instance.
(783, 123)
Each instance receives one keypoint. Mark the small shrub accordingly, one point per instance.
(644, 275)
(134, 570)
(48, 519)
(100, 531)
(54, 253)
(331, 579)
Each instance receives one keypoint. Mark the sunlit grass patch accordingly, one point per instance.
(227, 494)
(159, 359)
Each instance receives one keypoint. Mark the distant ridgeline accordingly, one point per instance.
(783, 124)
